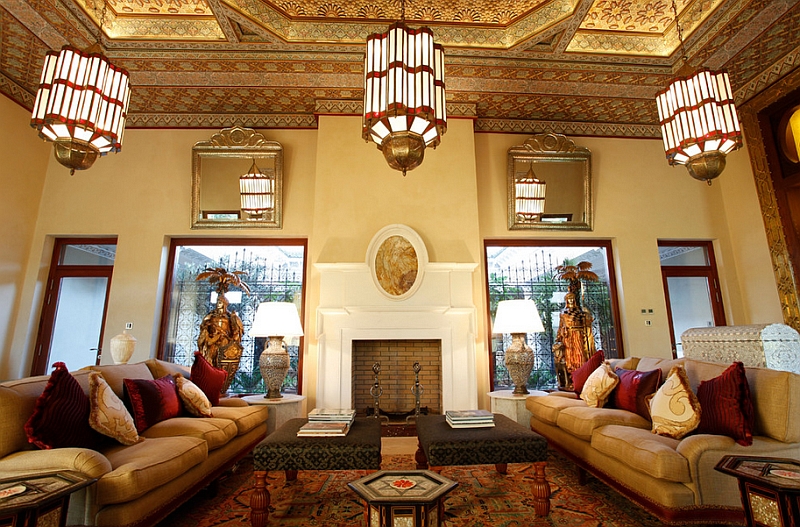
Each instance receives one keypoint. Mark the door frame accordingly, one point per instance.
(47, 318)
(709, 272)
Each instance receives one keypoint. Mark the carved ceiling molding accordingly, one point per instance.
(530, 126)
(784, 66)
(176, 120)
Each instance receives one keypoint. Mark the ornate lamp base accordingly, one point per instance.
(519, 362)
(274, 365)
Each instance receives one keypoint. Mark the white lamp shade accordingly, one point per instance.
(517, 316)
(276, 319)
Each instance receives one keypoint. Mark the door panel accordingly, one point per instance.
(690, 304)
(75, 302)
(78, 325)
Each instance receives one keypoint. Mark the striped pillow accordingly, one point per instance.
(727, 406)
(208, 378)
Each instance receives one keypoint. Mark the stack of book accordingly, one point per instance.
(324, 422)
(469, 418)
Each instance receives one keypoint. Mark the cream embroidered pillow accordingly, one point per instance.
(107, 412)
(674, 407)
(599, 385)
(193, 398)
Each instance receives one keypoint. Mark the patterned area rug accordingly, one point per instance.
(483, 498)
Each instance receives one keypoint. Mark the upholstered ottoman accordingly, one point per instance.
(360, 449)
(506, 442)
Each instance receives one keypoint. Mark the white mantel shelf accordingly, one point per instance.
(351, 308)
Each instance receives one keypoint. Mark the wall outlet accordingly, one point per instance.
(128, 325)
(648, 322)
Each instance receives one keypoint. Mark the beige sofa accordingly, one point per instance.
(673, 479)
(138, 484)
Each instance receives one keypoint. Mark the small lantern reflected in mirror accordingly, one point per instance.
(530, 192)
(257, 190)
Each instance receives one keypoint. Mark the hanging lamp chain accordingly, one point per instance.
(682, 47)
(402, 10)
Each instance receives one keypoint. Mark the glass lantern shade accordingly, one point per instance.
(699, 122)
(530, 194)
(257, 191)
(81, 105)
(404, 94)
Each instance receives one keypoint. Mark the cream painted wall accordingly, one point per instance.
(357, 194)
(25, 159)
(640, 199)
(338, 192)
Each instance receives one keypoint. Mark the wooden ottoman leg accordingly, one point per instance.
(501, 468)
(291, 475)
(259, 500)
(421, 458)
(541, 489)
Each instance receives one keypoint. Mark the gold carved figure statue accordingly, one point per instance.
(220, 338)
(574, 340)
(574, 335)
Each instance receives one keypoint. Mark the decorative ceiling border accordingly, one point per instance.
(530, 126)
(15, 92)
(173, 120)
(356, 107)
(777, 71)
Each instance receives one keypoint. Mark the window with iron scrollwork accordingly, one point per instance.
(527, 269)
(275, 272)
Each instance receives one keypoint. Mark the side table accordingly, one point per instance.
(39, 500)
(290, 406)
(512, 406)
(769, 488)
(410, 498)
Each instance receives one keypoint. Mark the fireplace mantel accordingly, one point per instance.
(351, 308)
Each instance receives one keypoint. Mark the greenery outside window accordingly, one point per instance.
(275, 273)
(518, 269)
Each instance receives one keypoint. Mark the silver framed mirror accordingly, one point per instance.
(549, 184)
(221, 196)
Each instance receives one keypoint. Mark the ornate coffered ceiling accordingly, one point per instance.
(578, 67)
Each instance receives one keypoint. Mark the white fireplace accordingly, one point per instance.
(353, 308)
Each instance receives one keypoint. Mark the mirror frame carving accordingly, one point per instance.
(550, 148)
(241, 143)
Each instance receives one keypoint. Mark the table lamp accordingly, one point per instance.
(518, 317)
(275, 320)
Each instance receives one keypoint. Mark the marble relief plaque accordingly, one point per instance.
(397, 258)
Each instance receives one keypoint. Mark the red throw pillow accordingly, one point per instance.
(207, 377)
(633, 388)
(727, 406)
(60, 418)
(580, 375)
(151, 402)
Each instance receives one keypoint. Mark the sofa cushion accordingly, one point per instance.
(152, 401)
(208, 378)
(60, 418)
(547, 407)
(674, 408)
(598, 387)
(245, 418)
(108, 414)
(140, 468)
(634, 388)
(644, 451)
(580, 375)
(159, 368)
(115, 373)
(215, 431)
(726, 404)
(194, 400)
(665, 365)
(582, 421)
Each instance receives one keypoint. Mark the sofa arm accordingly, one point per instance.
(704, 451)
(88, 462)
(232, 401)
